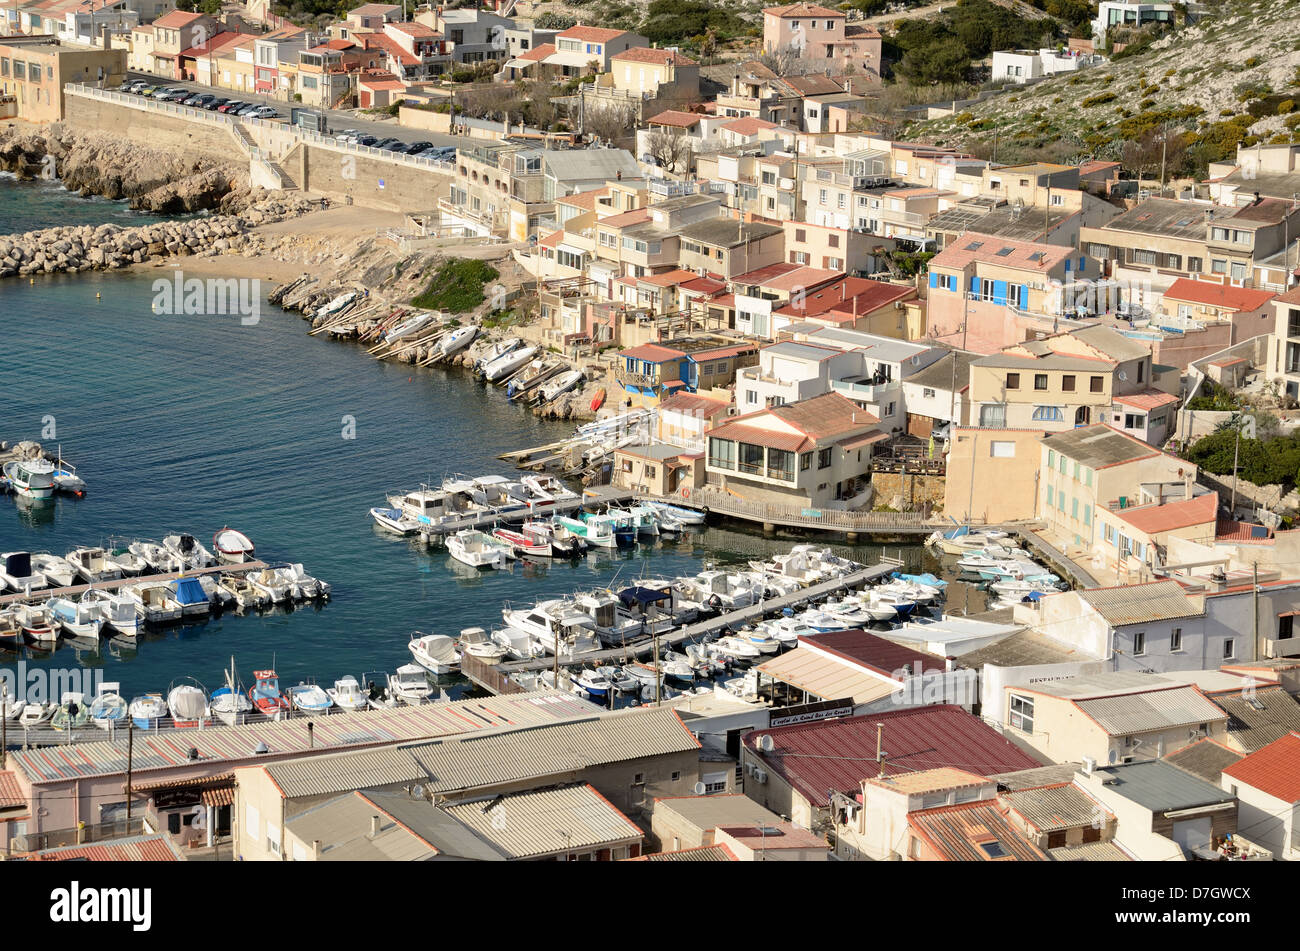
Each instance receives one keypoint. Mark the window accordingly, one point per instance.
(1051, 495)
(1048, 414)
(1013, 381)
(1087, 477)
(1022, 713)
(1139, 643)
(993, 850)
(638, 778)
(1001, 449)
(1176, 639)
(273, 839)
(1067, 383)
(1087, 515)
(993, 416)
(800, 234)
(780, 465)
(1218, 267)
(1238, 271)
(1141, 368)
(1051, 458)
(1095, 385)
(1229, 648)
(722, 453)
(1074, 508)
(805, 461)
(252, 823)
(1040, 381)
(751, 396)
(824, 458)
(927, 393)
(677, 774)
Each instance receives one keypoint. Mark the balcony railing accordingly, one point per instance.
(636, 379)
(867, 392)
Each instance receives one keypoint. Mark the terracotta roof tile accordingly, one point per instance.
(1274, 770)
(644, 54)
(1221, 296)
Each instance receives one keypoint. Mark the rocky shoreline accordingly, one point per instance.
(68, 250)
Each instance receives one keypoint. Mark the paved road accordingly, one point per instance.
(381, 128)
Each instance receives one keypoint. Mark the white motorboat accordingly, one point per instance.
(127, 563)
(58, 572)
(479, 550)
(407, 326)
(232, 547)
(456, 341)
(11, 709)
(309, 698)
(268, 583)
(548, 488)
(189, 705)
(337, 304)
(410, 684)
(347, 694)
(17, 572)
(516, 644)
(724, 590)
(599, 533)
(476, 642)
(302, 586)
(77, 618)
(737, 648)
(394, 521)
(109, 707)
(148, 710)
(644, 674)
(154, 602)
(39, 627)
(34, 714)
(31, 478)
(679, 667)
(218, 595)
(92, 565)
(155, 556)
(188, 551)
(555, 626)
(11, 632)
(436, 653)
(857, 609)
(921, 594)
(960, 541)
(1016, 589)
(592, 682)
(244, 593)
(561, 542)
(559, 386)
(533, 375)
(66, 478)
(787, 630)
(760, 639)
(506, 364)
(230, 705)
(684, 515)
(500, 348)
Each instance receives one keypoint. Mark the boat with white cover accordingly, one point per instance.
(188, 551)
(92, 565)
(309, 698)
(479, 550)
(436, 653)
(109, 707)
(153, 602)
(232, 547)
(506, 364)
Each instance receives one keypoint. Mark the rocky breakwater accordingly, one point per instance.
(99, 164)
(69, 250)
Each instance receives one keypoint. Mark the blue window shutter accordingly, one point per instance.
(1068, 262)
(974, 284)
(1083, 264)
(999, 292)
(1024, 296)
(934, 280)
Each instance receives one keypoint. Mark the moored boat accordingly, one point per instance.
(148, 710)
(109, 708)
(436, 653)
(309, 699)
(232, 547)
(31, 478)
(478, 550)
(266, 696)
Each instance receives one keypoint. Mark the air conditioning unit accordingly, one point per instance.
(760, 776)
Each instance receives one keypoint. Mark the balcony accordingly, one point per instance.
(628, 378)
(865, 392)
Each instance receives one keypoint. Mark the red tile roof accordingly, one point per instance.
(176, 19)
(848, 295)
(803, 10)
(141, 849)
(960, 833)
(644, 54)
(1147, 400)
(692, 403)
(704, 285)
(590, 34)
(668, 278)
(760, 276)
(839, 754)
(218, 42)
(829, 416)
(634, 217)
(1202, 510)
(1221, 296)
(1274, 770)
(418, 30)
(973, 246)
(674, 117)
(11, 794)
(749, 126)
(537, 52)
(877, 653)
(652, 353)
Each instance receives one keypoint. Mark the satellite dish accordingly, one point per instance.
(1114, 756)
(765, 743)
(1123, 376)
(699, 789)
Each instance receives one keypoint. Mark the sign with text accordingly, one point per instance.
(807, 712)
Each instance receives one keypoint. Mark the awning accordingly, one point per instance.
(570, 249)
(866, 439)
(639, 595)
(825, 677)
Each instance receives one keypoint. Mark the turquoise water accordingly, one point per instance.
(32, 205)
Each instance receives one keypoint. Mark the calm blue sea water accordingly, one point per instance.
(193, 423)
(32, 205)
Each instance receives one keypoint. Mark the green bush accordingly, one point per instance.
(1099, 99)
(1285, 107)
(457, 286)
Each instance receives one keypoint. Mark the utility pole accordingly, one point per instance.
(130, 750)
(1164, 150)
(1232, 508)
(1254, 590)
(4, 722)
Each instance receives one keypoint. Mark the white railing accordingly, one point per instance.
(237, 123)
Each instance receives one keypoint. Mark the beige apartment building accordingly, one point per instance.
(992, 474)
(34, 69)
(1284, 344)
(728, 247)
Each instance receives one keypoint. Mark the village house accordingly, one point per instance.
(34, 70)
(729, 248)
(1133, 533)
(1266, 785)
(811, 454)
(175, 32)
(992, 474)
(938, 395)
(1021, 66)
(820, 33)
(1284, 343)
(689, 822)
(585, 50)
(653, 371)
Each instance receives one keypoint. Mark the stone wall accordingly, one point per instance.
(369, 182)
(154, 129)
(913, 491)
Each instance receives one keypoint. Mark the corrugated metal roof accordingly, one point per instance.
(148, 848)
(1154, 710)
(826, 678)
(527, 825)
(1098, 446)
(1052, 808)
(703, 853)
(320, 775)
(1204, 758)
(967, 833)
(227, 746)
(1092, 852)
(1142, 603)
(1037, 776)
(343, 827)
(1264, 717)
(467, 762)
(1161, 786)
(709, 812)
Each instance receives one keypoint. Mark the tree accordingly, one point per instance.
(672, 148)
(610, 121)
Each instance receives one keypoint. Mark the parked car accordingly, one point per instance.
(1131, 312)
(162, 92)
(212, 105)
(137, 85)
(264, 112)
(387, 143)
(200, 100)
(247, 109)
(148, 89)
(347, 136)
(418, 148)
(366, 140)
(231, 106)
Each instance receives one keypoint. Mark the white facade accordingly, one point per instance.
(1019, 66)
(1272, 822)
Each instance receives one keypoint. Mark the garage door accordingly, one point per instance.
(1192, 833)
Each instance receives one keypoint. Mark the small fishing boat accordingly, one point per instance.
(148, 710)
(309, 698)
(476, 642)
(436, 653)
(11, 632)
(593, 682)
(547, 488)
(902, 605)
(336, 304)
(456, 341)
(17, 573)
(347, 694)
(268, 583)
(557, 387)
(962, 540)
(533, 375)
(189, 705)
(11, 709)
(245, 595)
(478, 550)
(561, 542)
(218, 596)
(265, 694)
(759, 639)
(500, 348)
(506, 364)
(521, 543)
(232, 547)
(109, 708)
(188, 552)
(410, 684)
(31, 478)
(155, 556)
(34, 714)
(92, 565)
(229, 703)
(72, 712)
(598, 400)
(189, 594)
(623, 681)
(127, 563)
(394, 521)
(39, 627)
(737, 648)
(66, 478)
(58, 572)
(77, 618)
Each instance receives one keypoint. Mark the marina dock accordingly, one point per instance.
(44, 594)
(597, 496)
(495, 677)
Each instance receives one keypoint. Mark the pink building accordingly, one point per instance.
(822, 33)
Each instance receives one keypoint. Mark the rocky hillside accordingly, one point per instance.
(99, 164)
(1232, 77)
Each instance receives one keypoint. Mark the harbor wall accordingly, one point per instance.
(368, 181)
(154, 129)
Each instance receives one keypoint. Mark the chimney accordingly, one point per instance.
(374, 826)
(316, 849)
(949, 663)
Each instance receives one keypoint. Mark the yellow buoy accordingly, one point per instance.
(97, 295)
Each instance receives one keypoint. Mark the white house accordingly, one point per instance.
(1267, 786)
(1020, 66)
